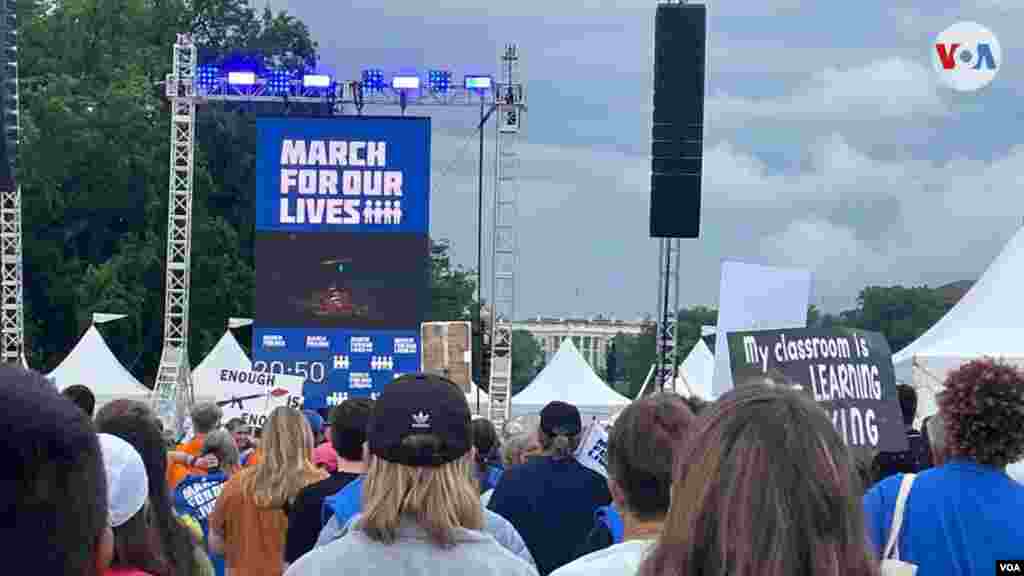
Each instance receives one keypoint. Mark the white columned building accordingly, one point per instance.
(591, 336)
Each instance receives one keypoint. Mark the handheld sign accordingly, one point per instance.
(848, 372)
(251, 395)
(593, 450)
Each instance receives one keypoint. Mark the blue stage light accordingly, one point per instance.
(478, 83)
(280, 82)
(207, 76)
(373, 79)
(316, 81)
(242, 78)
(439, 81)
(405, 82)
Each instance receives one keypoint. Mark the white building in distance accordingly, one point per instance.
(592, 336)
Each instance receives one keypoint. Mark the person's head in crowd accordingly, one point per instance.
(52, 483)
(138, 425)
(937, 445)
(560, 429)
(513, 450)
(241, 432)
(420, 444)
(221, 444)
(908, 403)
(981, 407)
(316, 425)
(82, 397)
(348, 429)
(640, 456)
(695, 404)
(287, 464)
(486, 443)
(128, 492)
(763, 486)
(206, 417)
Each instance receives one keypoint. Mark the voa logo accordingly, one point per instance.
(966, 56)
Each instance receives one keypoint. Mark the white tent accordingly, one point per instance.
(92, 364)
(472, 398)
(988, 321)
(697, 371)
(227, 354)
(568, 378)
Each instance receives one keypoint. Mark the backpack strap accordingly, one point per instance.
(892, 547)
(609, 516)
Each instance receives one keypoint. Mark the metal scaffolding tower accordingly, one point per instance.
(173, 391)
(668, 307)
(12, 316)
(505, 249)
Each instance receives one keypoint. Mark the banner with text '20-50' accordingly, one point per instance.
(848, 372)
(343, 174)
(342, 251)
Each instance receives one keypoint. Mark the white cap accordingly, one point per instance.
(127, 481)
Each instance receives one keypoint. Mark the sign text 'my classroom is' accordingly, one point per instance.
(317, 175)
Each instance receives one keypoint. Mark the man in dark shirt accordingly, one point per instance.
(552, 498)
(916, 457)
(348, 433)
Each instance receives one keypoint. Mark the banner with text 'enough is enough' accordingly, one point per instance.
(251, 395)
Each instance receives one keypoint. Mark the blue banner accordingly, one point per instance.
(343, 174)
(337, 363)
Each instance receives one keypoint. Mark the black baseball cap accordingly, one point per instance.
(560, 419)
(420, 404)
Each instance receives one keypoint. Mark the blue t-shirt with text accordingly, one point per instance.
(196, 496)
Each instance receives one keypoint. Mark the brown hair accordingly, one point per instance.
(640, 447)
(440, 498)
(764, 486)
(981, 406)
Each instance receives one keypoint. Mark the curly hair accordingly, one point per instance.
(982, 405)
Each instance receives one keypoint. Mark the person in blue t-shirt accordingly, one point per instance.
(552, 498)
(964, 514)
(196, 495)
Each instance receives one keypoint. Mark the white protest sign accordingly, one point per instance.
(755, 297)
(251, 395)
(593, 450)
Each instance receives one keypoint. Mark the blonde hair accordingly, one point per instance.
(440, 499)
(286, 466)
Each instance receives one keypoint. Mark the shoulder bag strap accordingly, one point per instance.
(897, 518)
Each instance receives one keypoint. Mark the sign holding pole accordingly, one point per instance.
(848, 372)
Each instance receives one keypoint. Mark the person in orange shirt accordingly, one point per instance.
(182, 462)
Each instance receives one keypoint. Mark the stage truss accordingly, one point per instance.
(173, 393)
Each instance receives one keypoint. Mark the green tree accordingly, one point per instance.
(452, 287)
(638, 353)
(527, 359)
(901, 314)
(689, 322)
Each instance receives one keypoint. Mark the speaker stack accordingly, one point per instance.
(677, 134)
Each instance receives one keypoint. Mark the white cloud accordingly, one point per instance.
(881, 91)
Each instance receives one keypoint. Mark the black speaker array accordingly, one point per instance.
(677, 133)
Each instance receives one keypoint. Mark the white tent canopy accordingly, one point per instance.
(92, 364)
(472, 398)
(568, 378)
(227, 354)
(697, 371)
(988, 321)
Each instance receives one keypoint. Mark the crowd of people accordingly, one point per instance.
(757, 482)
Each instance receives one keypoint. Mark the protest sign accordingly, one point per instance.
(251, 395)
(593, 450)
(848, 372)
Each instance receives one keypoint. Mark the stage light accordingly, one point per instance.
(373, 79)
(207, 76)
(242, 78)
(316, 81)
(440, 81)
(280, 82)
(405, 82)
(478, 83)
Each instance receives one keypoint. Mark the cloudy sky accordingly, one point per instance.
(829, 144)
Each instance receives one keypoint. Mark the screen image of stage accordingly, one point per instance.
(342, 251)
(341, 280)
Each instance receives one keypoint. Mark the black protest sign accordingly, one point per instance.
(848, 372)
